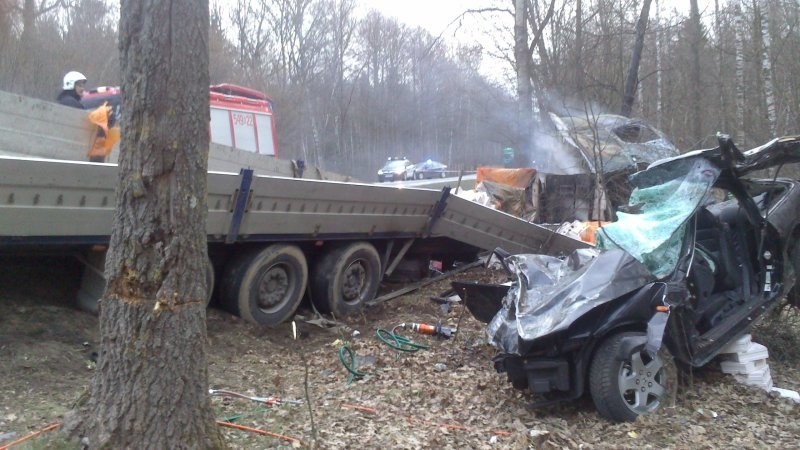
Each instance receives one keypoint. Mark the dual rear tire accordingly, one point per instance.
(345, 278)
(266, 286)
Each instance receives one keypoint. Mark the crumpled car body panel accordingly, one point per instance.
(700, 255)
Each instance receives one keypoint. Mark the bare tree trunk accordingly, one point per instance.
(151, 385)
(741, 133)
(791, 11)
(537, 42)
(723, 107)
(696, 90)
(659, 49)
(579, 44)
(633, 68)
(523, 63)
(766, 68)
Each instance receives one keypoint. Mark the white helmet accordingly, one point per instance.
(71, 78)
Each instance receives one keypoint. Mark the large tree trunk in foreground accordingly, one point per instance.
(151, 385)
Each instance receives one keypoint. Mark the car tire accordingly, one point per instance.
(441, 175)
(381, 179)
(419, 175)
(622, 390)
(266, 286)
(345, 278)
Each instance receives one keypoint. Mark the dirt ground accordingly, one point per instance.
(447, 396)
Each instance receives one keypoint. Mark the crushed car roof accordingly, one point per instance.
(620, 142)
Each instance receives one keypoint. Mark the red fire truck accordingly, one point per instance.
(241, 117)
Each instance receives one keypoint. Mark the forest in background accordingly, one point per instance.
(352, 89)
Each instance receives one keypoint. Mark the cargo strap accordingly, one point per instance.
(436, 212)
(239, 205)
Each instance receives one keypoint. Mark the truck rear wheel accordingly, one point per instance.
(346, 278)
(266, 286)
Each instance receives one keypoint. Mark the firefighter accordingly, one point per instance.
(72, 90)
(73, 87)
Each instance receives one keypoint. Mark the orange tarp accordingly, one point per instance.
(590, 230)
(520, 178)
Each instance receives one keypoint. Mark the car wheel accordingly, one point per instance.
(625, 386)
(419, 175)
(346, 278)
(442, 175)
(380, 179)
(265, 287)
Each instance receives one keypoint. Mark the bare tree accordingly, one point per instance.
(695, 82)
(632, 79)
(741, 133)
(762, 15)
(523, 70)
(658, 68)
(150, 388)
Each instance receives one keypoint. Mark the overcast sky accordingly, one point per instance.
(437, 16)
(433, 15)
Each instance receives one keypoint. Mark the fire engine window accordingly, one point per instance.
(266, 143)
(221, 127)
(244, 131)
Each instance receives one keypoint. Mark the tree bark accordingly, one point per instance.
(632, 79)
(723, 106)
(696, 89)
(659, 47)
(579, 44)
(151, 385)
(523, 72)
(741, 132)
(766, 66)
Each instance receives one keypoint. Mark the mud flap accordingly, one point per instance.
(655, 332)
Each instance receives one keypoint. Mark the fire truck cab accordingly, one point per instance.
(241, 117)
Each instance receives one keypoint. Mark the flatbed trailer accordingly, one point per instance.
(272, 240)
(305, 233)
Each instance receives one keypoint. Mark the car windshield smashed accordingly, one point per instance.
(663, 200)
(643, 245)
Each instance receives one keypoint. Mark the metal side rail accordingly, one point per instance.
(488, 229)
(44, 201)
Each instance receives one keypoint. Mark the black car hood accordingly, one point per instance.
(551, 293)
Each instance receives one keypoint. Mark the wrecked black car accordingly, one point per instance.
(701, 254)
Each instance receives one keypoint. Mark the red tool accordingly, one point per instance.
(433, 330)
